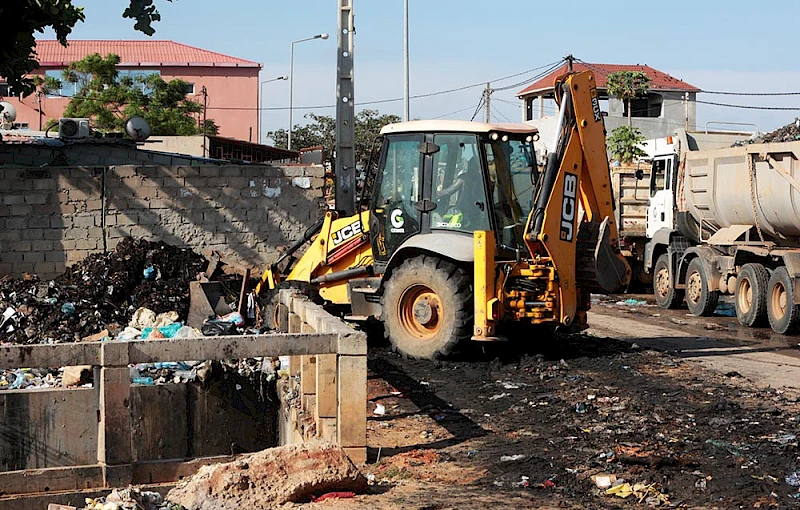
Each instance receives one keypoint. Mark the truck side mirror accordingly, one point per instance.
(639, 174)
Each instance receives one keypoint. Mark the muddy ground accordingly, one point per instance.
(531, 427)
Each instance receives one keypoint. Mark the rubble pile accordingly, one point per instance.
(787, 133)
(102, 291)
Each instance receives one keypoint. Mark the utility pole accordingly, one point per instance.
(203, 127)
(406, 97)
(686, 105)
(345, 193)
(487, 94)
(570, 59)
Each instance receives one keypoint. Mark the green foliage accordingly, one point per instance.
(628, 85)
(624, 144)
(26, 17)
(322, 131)
(109, 100)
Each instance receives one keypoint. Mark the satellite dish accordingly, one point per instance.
(8, 114)
(137, 128)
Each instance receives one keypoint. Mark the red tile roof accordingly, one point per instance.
(136, 53)
(660, 80)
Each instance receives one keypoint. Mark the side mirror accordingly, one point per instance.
(639, 174)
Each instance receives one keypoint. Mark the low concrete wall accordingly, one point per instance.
(51, 218)
(134, 425)
(58, 427)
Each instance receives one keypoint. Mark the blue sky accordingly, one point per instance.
(715, 45)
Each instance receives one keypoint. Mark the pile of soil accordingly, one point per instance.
(787, 133)
(100, 292)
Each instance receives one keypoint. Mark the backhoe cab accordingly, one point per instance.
(460, 233)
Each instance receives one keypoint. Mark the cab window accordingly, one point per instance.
(458, 187)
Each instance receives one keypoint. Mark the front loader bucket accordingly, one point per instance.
(612, 270)
(205, 300)
(599, 267)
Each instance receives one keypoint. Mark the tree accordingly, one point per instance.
(628, 85)
(624, 144)
(322, 131)
(25, 17)
(110, 99)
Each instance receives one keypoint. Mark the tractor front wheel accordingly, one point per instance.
(427, 307)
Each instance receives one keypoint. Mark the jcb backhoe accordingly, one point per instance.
(459, 233)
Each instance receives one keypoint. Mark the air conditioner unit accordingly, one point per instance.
(73, 128)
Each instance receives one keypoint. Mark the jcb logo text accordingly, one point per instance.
(568, 207)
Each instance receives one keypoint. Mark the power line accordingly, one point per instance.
(750, 93)
(478, 108)
(499, 113)
(749, 107)
(452, 113)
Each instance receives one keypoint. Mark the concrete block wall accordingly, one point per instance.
(51, 218)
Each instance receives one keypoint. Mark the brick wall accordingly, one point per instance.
(51, 218)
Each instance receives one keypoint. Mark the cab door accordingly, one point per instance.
(660, 211)
(398, 187)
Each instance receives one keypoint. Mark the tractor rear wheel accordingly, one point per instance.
(427, 307)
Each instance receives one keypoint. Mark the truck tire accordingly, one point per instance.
(427, 307)
(750, 297)
(784, 317)
(666, 295)
(700, 300)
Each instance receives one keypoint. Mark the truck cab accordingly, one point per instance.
(663, 181)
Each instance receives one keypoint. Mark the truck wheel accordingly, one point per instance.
(700, 300)
(784, 317)
(427, 307)
(751, 295)
(666, 295)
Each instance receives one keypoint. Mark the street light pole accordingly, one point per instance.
(406, 98)
(291, 79)
(261, 103)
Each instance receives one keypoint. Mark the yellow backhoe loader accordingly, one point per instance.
(458, 232)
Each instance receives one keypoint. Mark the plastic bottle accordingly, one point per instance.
(147, 381)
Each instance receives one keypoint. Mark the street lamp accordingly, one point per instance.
(260, 104)
(291, 76)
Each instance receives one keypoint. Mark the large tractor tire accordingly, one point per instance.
(700, 300)
(750, 297)
(427, 307)
(665, 293)
(270, 301)
(784, 316)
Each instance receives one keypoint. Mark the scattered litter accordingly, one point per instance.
(335, 495)
(380, 410)
(793, 479)
(725, 310)
(604, 481)
(632, 302)
(511, 458)
(523, 482)
(499, 396)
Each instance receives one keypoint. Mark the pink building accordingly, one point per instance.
(231, 83)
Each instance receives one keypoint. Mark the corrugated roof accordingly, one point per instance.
(135, 53)
(659, 79)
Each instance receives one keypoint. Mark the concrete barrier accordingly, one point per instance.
(328, 356)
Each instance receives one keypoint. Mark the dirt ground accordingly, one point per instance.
(536, 425)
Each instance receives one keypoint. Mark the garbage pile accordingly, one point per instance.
(787, 133)
(131, 498)
(101, 292)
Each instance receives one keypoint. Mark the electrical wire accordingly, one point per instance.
(452, 113)
(478, 108)
(750, 93)
(500, 114)
(750, 107)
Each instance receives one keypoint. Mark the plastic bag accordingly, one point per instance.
(187, 332)
(218, 327)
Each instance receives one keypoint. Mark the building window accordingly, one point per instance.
(66, 88)
(19, 125)
(5, 90)
(190, 88)
(649, 106)
(138, 77)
